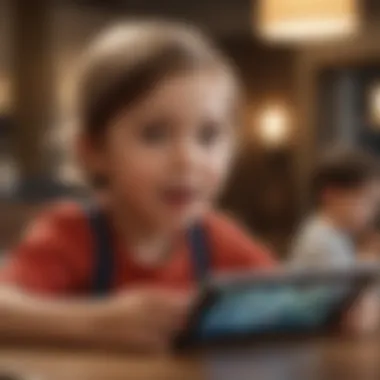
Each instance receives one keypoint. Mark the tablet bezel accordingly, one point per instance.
(361, 277)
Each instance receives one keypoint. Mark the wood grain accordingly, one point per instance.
(323, 360)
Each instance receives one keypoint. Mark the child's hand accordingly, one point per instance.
(146, 319)
(364, 317)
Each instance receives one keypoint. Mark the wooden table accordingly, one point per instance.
(325, 360)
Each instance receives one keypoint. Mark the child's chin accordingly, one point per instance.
(184, 218)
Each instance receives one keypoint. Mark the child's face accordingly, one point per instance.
(357, 207)
(374, 243)
(167, 156)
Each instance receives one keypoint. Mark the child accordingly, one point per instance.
(369, 246)
(346, 184)
(157, 128)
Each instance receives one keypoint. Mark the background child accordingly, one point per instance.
(369, 244)
(346, 188)
(157, 108)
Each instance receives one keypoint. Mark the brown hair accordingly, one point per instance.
(125, 63)
(344, 169)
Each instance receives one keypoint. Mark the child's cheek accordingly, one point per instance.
(376, 244)
(135, 175)
(217, 173)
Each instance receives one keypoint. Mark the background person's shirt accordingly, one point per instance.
(320, 244)
(57, 256)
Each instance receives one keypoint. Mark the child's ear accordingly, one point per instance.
(88, 154)
(81, 150)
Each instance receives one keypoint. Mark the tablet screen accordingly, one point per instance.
(275, 308)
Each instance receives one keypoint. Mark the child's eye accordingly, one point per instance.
(155, 132)
(209, 133)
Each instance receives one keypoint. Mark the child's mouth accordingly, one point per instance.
(179, 197)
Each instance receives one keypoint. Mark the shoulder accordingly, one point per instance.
(63, 215)
(60, 223)
(54, 256)
(233, 246)
(315, 245)
(65, 212)
(316, 232)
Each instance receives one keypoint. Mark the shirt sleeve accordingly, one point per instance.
(51, 258)
(235, 249)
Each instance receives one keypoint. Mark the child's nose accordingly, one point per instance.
(186, 154)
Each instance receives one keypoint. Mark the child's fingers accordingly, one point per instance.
(175, 298)
(173, 303)
(363, 317)
(167, 320)
(348, 324)
(170, 312)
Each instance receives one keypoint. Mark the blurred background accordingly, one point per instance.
(311, 71)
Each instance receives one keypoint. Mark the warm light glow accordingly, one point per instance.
(5, 95)
(374, 105)
(274, 125)
(8, 174)
(300, 20)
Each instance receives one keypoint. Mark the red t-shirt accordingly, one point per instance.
(57, 256)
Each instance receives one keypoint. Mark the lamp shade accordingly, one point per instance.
(300, 20)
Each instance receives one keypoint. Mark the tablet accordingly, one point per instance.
(290, 303)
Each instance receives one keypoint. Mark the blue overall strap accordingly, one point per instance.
(200, 252)
(103, 251)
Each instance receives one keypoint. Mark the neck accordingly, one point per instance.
(333, 219)
(147, 241)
